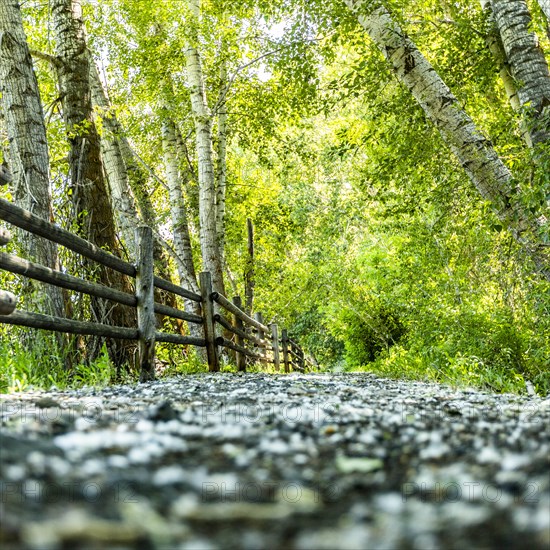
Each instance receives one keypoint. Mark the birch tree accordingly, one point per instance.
(528, 66)
(180, 225)
(221, 172)
(494, 43)
(123, 200)
(202, 115)
(24, 118)
(90, 197)
(545, 7)
(128, 184)
(474, 151)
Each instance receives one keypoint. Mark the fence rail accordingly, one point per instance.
(248, 337)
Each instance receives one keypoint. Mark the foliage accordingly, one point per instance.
(41, 367)
(371, 244)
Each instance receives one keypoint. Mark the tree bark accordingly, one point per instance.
(122, 197)
(127, 179)
(203, 127)
(474, 151)
(528, 65)
(494, 43)
(138, 181)
(182, 239)
(249, 273)
(221, 174)
(180, 226)
(545, 7)
(24, 118)
(89, 193)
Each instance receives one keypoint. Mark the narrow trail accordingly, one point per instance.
(258, 461)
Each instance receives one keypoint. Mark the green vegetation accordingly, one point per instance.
(372, 244)
(39, 366)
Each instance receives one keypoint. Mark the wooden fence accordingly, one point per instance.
(249, 337)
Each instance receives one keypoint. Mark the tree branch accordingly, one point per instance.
(231, 80)
(51, 59)
(149, 169)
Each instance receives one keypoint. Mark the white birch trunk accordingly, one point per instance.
(123, 201)
(26, 130)
(124, 176)
(527, 63)
(182, 240)
(494, 43)
(203, 129)
(130, 198)
(221, 188)
(137, 179)
(474, 151)
(545, 7)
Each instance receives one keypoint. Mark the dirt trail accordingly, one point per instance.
(259, 461)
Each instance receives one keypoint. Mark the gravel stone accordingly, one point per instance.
(334, 461)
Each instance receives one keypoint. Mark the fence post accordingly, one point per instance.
(284, 340)
(275, 342)
(262, 351)
(240, 357)
(145, 303)
(208, 321)
(295, 356)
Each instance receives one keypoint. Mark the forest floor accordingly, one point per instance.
(317, 461)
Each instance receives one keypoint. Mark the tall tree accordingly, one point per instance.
(494, 42)
(89, 193)
(180, 225)
(527, 64)
(221, 157)
(26, 130)
(202, 115)
(123, 200)
(178, 210)
(474, 151)
(128, 184)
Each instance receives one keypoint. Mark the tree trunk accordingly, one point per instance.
(221, 174)
(474, 151)
(528, 65)
(90, 198)
(545, 7)
(182, 240)
(123, 200)
(249, 275)
(494, 43)
(127, 179)
(138, 180)
(207, 186)
(29, 154)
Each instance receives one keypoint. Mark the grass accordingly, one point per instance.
(459, 372)
(39, 367)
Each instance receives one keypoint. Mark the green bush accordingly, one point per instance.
(368, 333)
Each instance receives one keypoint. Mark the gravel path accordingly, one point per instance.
(258, 461)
